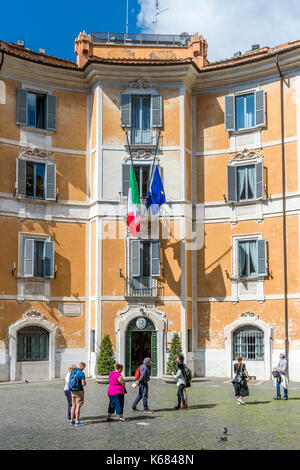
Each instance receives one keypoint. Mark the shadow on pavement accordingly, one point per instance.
(258, 402)
(193, 407)
(102, 419)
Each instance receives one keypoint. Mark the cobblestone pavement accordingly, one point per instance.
(33, 416)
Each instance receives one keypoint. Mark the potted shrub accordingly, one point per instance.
(175, 351)
(105, 360)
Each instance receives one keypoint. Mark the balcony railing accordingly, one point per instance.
(141, 138)
(172, 40)
(142, 287)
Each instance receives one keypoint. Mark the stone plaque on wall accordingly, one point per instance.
(70, 310)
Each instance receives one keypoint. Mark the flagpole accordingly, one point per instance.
(131, 159)
(151, 173)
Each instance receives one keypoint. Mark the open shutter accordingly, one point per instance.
(49, 259)
(261, 257)
(259, 180)
(21, 177)
(28, 270)
(50, 182)
(134, 255)
(22, 107)
(260, 108)
(156, 110)
(229, 113)
(125, 179)
(155, 258)
(51, 112)
(231, 183)
(128, 354)
(125, 107)
(154, 353)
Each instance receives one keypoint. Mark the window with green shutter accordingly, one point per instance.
(36, 180)
(38, 258)
(245, 182)
(37, 110)
(245, 111)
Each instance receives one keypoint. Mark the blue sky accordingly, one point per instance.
(54, 25)
(227, 25)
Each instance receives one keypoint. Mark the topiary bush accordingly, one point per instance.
(175, 351)
(106, 356)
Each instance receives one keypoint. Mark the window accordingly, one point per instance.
(248, 342)
(142, 173)
(36, 180)
(141, 120)
(141, 113)
(35, 109)
(144, 267)
(38, 258)
(252, 258)
(245, 111)
(245, 182)
(33, 344)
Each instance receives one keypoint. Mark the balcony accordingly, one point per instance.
(142, 287)
(141, 138)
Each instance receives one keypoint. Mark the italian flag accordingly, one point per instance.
(133, 205)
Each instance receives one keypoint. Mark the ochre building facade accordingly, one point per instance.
(219, 264)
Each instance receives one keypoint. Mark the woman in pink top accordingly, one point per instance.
(116, 392)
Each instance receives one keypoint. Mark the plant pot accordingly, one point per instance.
(102, 379)
(168, 379)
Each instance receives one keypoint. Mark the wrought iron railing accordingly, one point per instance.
(174, 40)
(142, 287)
(141, 138)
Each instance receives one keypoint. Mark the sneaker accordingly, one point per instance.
(135, 409)
(80, 423)
(72, 422)
(241, 401)
(123, 420)
(284, 398)
(148, 411)
(176, 407)
(276, 398)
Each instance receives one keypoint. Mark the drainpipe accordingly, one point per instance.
(2, 60)
(284, 231)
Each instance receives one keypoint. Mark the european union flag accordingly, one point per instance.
(156, 196)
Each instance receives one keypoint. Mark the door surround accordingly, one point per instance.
(158, 318)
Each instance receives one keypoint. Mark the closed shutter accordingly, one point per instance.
(125, 107)
(156, 111)
(22, 107)
(128, 370)
(229, 113)
(134, 255)
(261, 257)
(260, 108)
(259, 180)
(50, 182)
(154, 353)
(51, 112)
(28, 270)
(125, 179)
(155, 258)
(231, 183)
(21, 177)
(49, 259)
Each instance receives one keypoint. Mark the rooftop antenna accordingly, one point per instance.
(127, 20)
(158, 11)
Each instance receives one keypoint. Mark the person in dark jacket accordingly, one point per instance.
(240, 381)
(143, 385)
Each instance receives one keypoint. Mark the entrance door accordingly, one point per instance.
(140, 344)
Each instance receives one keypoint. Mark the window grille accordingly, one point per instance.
(248, 342)
(33, 344)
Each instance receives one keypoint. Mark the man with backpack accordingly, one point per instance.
(187, 373)
(76, 383)
(142, 376)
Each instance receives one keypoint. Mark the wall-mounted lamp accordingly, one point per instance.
(55, 271)
(13, 269)
(225, 198)
(121, 274)
(227, 273)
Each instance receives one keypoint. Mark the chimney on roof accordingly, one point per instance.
(83, 48)
(197, 50)
(20, 43)
(42, 51)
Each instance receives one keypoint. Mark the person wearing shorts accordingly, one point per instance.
(78, 396)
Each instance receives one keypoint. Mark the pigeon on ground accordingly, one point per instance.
(222, 438)
(225, 431)
(26, 381)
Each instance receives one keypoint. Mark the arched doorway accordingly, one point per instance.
(141, 342)
(32, 344)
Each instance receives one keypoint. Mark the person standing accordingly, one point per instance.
(181, 383)
(282, 380)
(68, 391)
(76, 384)
(116, 391)
(142, 382)
(240, 381)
